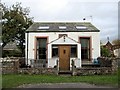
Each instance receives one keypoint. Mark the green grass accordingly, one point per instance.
(119, 76)
(0, 81)
(9, 81)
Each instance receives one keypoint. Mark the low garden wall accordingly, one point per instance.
(15, 65)
(31, 71)
(93, 71)
(109, 62)
(11, 66)
(107, 66)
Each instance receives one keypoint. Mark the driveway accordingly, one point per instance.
(63, 85)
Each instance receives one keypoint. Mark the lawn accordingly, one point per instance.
(9, 81)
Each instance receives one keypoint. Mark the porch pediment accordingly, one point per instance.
(64, 40)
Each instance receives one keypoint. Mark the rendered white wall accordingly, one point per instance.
(74, 35)
(95, 45)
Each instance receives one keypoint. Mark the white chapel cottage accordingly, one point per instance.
(62, 41)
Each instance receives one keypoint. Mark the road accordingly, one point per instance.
(63, 85)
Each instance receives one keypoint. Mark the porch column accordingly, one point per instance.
(49, 54)
(79, 53)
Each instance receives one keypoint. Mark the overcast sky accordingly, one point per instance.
(101, 13)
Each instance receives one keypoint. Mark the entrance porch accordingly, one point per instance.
(64, 49)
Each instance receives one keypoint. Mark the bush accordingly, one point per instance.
(105, 62)
(105, 52)
(11, 53)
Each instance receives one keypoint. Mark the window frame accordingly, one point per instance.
(35, 45)
(90, 46)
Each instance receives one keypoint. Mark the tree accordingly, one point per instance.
(105, 52)
(15, 21)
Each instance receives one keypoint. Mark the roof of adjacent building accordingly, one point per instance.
(110, 45)
(62, 27)
(10, 46)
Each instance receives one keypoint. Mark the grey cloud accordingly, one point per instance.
(104, 14)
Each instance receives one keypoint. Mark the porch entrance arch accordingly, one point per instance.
(61, 49)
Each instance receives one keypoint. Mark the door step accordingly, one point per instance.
(65, 73)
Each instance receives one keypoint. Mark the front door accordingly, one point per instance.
(64, 57)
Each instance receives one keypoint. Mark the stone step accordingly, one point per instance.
(65, 72)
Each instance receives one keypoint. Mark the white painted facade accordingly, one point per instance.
(116, 52)
(30, 45)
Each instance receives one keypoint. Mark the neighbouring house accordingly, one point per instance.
(10, 46)
(50, 42)
(109, 46)
(11, 49)
(114, 49)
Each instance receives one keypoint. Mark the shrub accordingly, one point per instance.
(104, 62)
(105, 52)
(10, 53)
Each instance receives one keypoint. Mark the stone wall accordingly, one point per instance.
(12, 66)
(115, 64)
(104, 69)
(9, 65)
(93, 71)
(31, 71)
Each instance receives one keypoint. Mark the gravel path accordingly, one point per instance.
(63, 85)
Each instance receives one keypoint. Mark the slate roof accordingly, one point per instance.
(109, 44)
(11, 46)
(70, 27)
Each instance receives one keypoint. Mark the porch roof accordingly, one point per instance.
(62, 27)
(64, 40)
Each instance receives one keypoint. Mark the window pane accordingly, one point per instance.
(42, 43)
(84, 43)
(74, 51)
(41, 48)
(54, 51)
(85, 48)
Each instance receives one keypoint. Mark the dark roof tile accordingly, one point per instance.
(54, 26)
